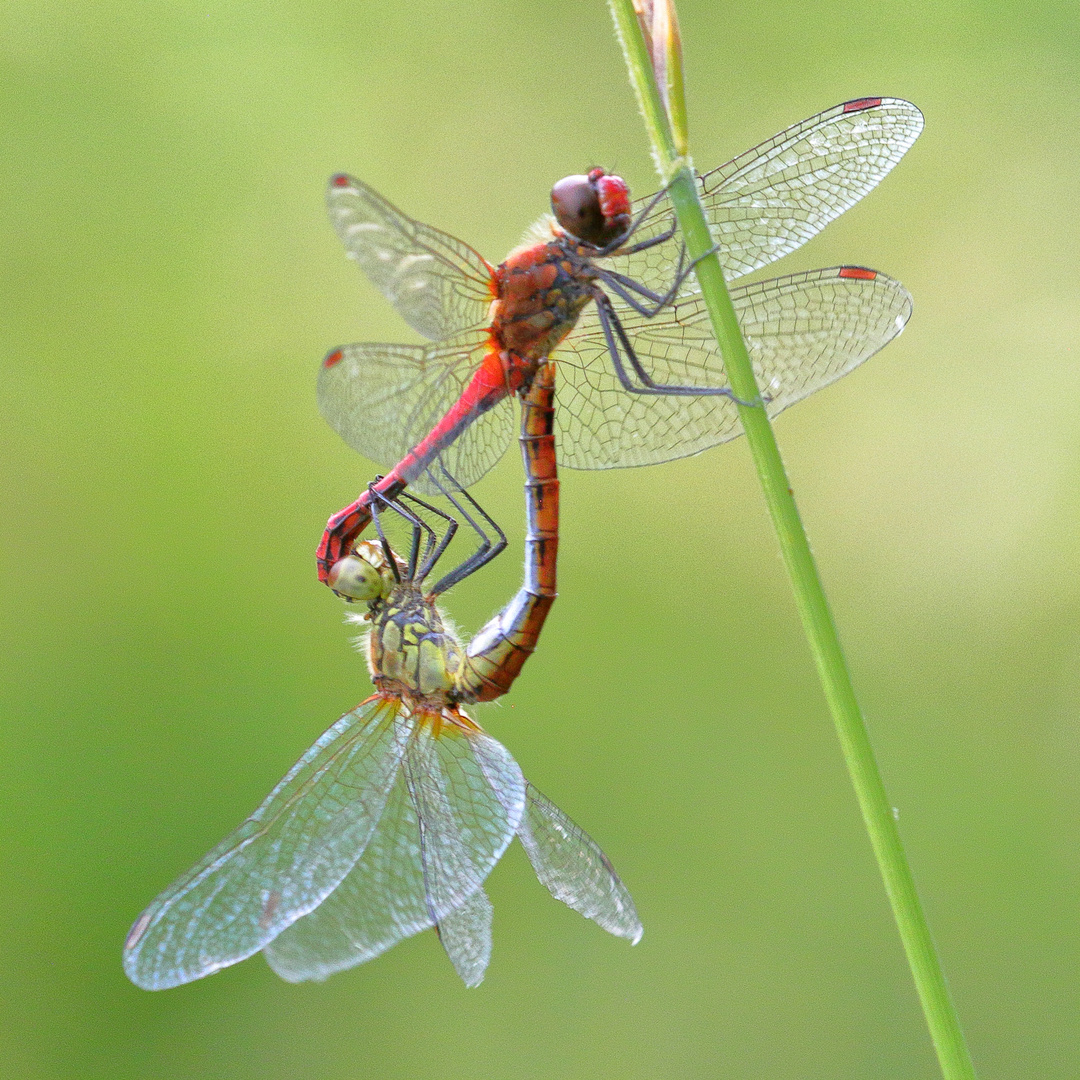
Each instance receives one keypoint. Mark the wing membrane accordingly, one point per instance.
(772, 199)
(803, 332)
(574, 869)
(282, 862)
(378, 904)
(439, 285)
(470, 795)
(453, 809)
(384, 399)
(466, 936)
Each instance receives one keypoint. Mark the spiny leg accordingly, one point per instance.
(434, 551)
(419, 527)
(623, 286)
(373, 506)
(615, 336)
(487, 550)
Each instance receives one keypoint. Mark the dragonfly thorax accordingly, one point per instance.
(411, 651)
(541, 289)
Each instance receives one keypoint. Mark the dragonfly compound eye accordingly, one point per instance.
(576, 205)
(356, 579)
(594, 208)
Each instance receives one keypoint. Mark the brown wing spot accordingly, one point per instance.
(273, 899)
(137, 930)
(334, 358)
(862, 103)
(859, 272)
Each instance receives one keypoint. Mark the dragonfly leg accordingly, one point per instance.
(434, 551)
(373, 506)
(435, 544)
(623, 286)
(487, 550)
(653, 241)
(347, 524)
(618, 343)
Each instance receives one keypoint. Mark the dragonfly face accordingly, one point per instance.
(364, 576)
(595, 207)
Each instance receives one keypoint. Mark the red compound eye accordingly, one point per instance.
(614, 196)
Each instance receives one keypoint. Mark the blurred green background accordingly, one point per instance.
(170, 284)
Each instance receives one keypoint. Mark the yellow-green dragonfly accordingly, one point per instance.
(392, 821)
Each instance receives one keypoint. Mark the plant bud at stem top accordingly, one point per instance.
(660, 25)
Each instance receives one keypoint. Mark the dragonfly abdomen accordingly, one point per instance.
(499, 650)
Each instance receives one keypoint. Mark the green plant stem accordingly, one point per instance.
(810, 598)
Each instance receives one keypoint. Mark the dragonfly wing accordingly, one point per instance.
(379, 903)
(466, 936)
(439, 285)
(574, 869)
(470, 795)
(282, 862)
(384, 399)
(803, 332)
(772, 199)
(451, 814)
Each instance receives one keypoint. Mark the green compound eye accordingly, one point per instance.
(356, 579)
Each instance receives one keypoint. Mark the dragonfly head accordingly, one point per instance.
(364, 575)
(595, 207)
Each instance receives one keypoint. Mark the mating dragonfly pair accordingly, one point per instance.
(392, 821)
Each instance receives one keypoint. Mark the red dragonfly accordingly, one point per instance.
(606, 281)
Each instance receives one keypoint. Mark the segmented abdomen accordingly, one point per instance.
(499, 650)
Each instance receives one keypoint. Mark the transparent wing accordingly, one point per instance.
(384, 399)
(466, 936)
(282, 862)
(470, 795)
(439, 285)
(772, 199)
(574, 869)
(452, 812)
(379, 903)
(803, 332)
